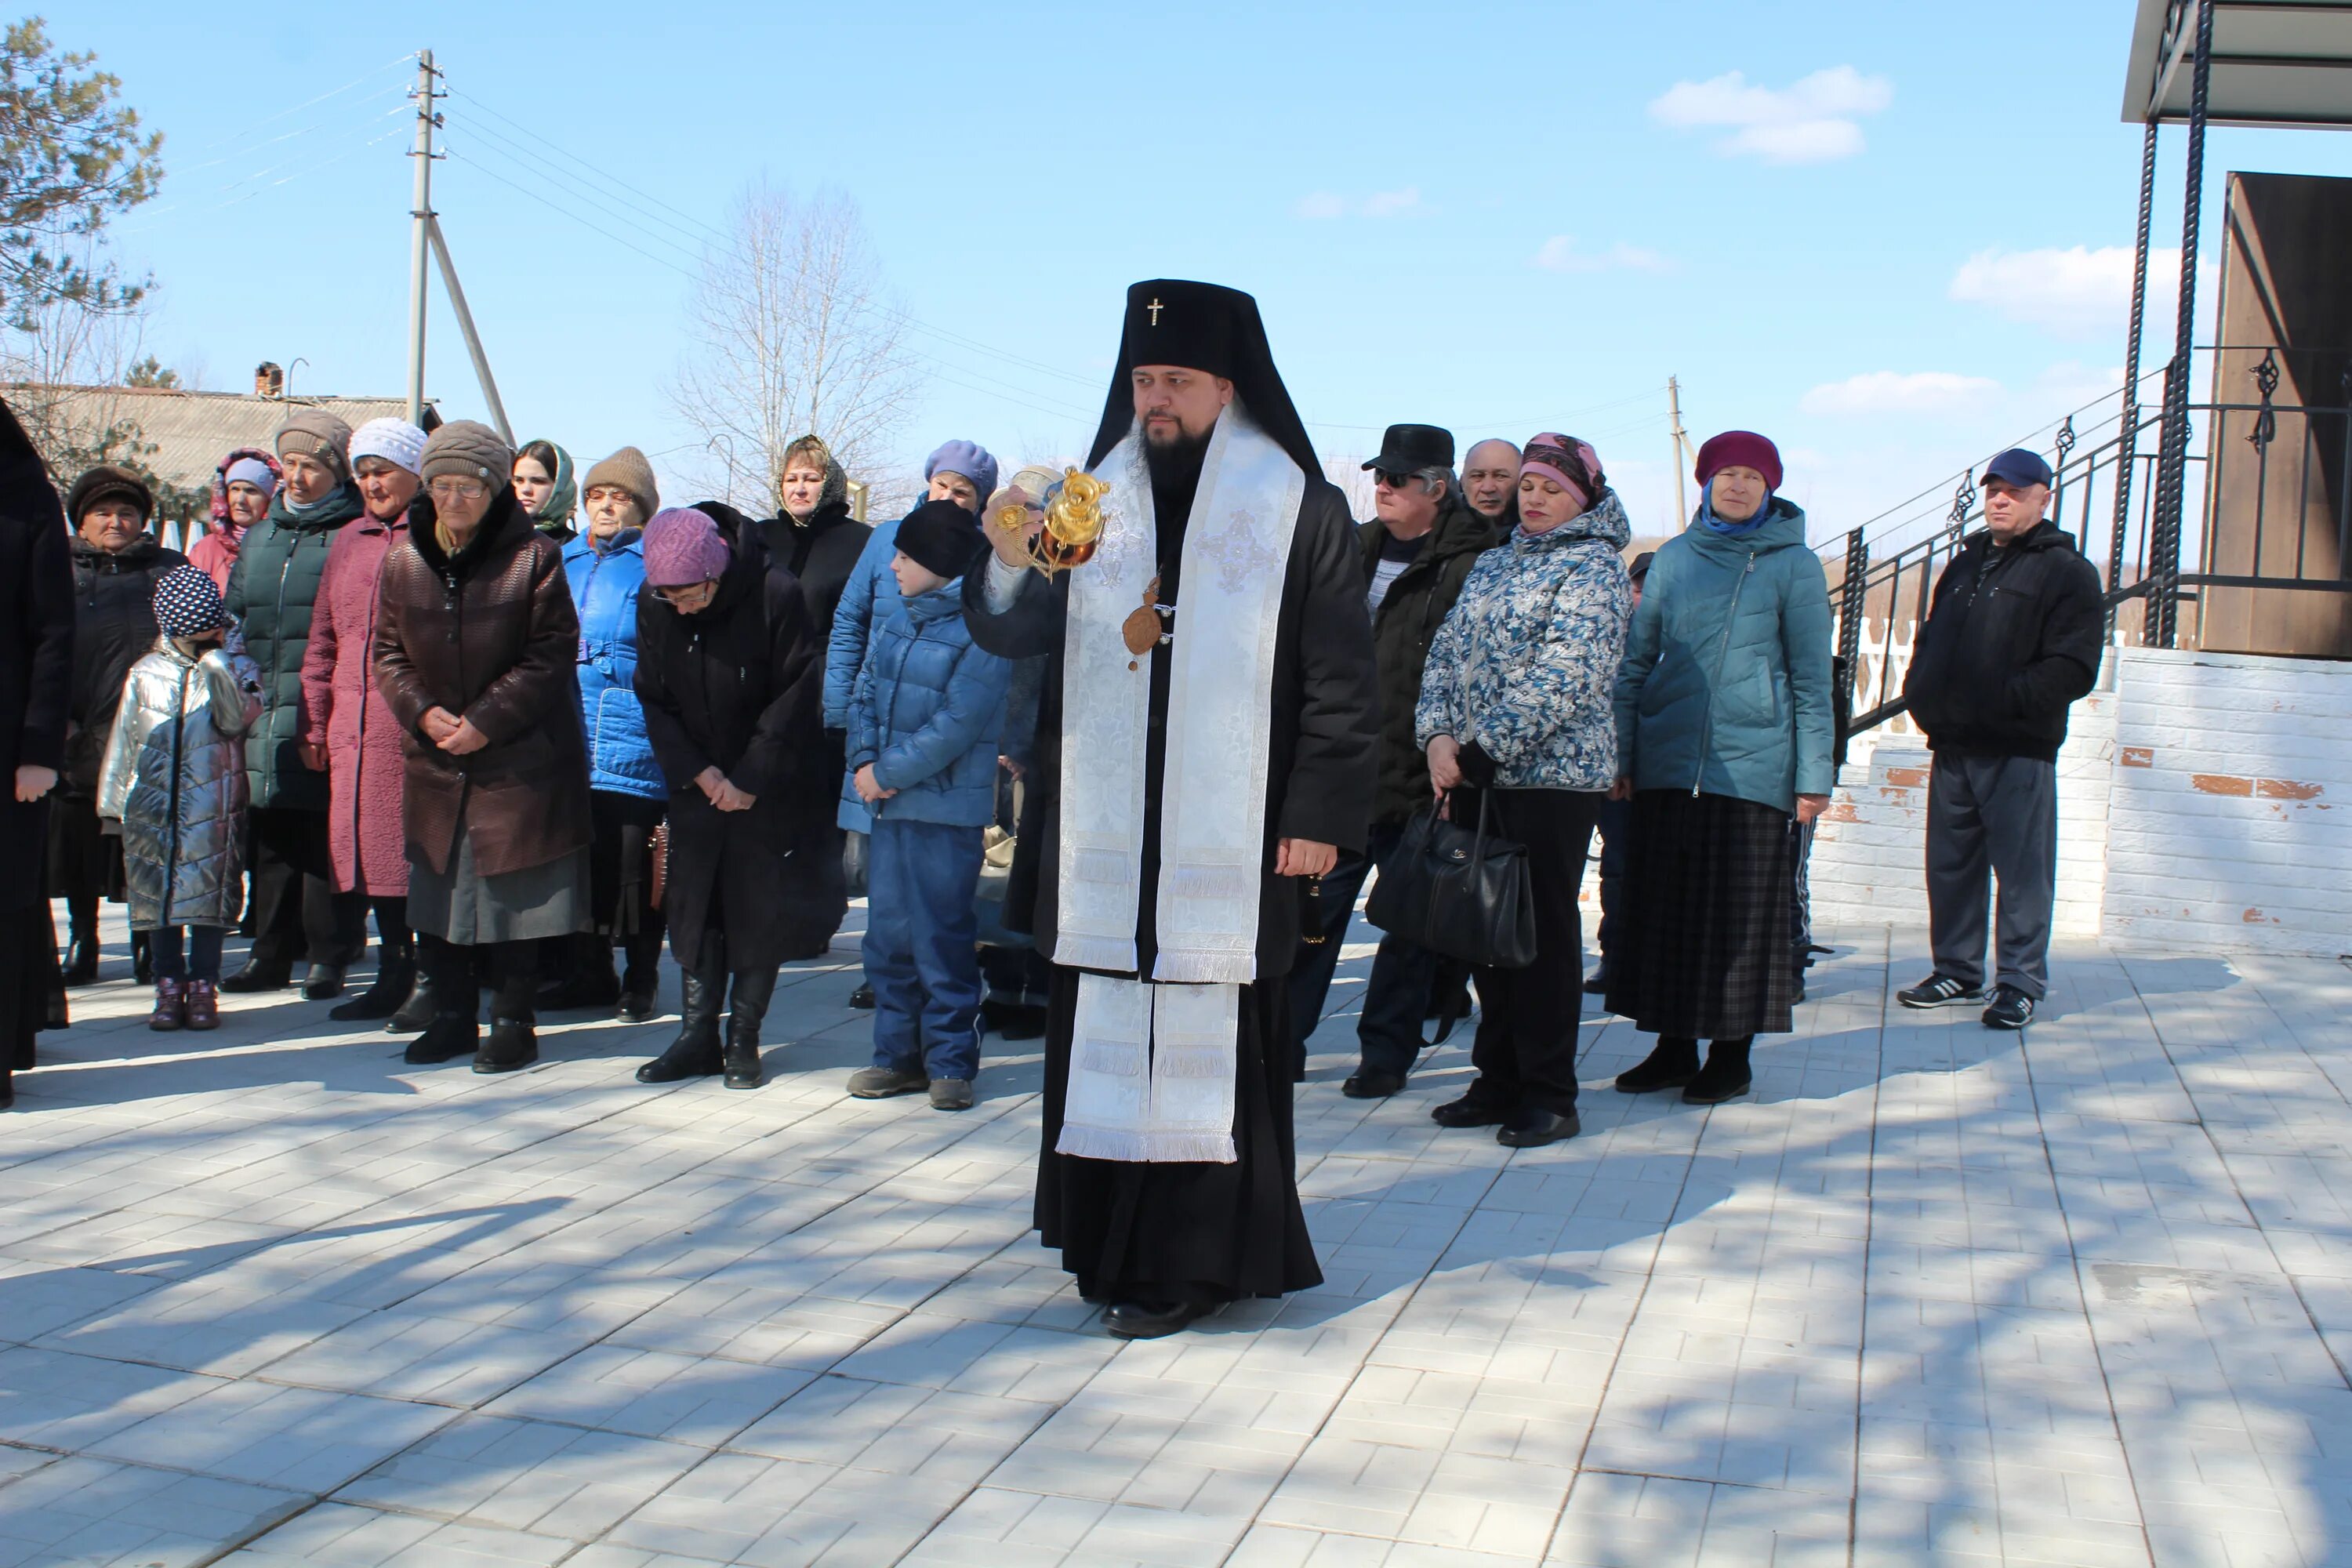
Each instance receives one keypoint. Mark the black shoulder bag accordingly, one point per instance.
(1457, 892)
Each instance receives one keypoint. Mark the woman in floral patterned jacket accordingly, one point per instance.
(1515, 699)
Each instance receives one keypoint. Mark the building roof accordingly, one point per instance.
(2275, 62)
(193, 431)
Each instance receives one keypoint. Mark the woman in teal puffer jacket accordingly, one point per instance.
(1724, 734)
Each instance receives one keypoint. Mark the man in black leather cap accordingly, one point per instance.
(1417, 550)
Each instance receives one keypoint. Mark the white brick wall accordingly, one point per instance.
(2231, 826)
(2204, 802)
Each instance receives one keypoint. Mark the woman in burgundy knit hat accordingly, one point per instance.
(1724, 735)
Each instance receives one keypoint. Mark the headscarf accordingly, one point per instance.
(554, 514)
(1707, 519)
(221, 523)
(1569, 463)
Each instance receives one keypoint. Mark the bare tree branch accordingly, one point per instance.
(790, 332)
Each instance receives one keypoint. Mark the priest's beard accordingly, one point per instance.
(1175, 465)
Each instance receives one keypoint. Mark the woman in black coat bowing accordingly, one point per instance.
(37, 636)
(728, 672)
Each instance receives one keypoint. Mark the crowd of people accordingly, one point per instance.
(535, 724)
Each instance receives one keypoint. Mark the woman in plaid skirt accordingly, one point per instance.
(1724, 732)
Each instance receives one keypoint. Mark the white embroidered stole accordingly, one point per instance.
(1152, 1065)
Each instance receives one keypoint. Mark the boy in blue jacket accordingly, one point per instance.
(922, 733)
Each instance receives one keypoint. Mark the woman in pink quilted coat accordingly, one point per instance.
(348, 729)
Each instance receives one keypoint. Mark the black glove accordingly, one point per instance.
(1477, 767)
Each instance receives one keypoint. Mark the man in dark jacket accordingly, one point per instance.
(1417, 551)
(2013, 636)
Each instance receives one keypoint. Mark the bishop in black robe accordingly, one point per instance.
(1173, 1238)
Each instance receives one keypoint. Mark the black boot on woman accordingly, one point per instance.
(81, 944)
(395, 977)
(1674, 1063)
(1725, 1075)
(456, 1006)
(696, 1053)
(752, 989)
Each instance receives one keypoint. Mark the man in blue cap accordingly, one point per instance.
(2013, 636)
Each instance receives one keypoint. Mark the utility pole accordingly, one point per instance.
(420, 217)
(473, 339)
(1682, 445)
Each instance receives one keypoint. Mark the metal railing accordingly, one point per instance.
(2235, 465)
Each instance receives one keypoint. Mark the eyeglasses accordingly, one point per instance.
(457, 490)
(1394, 481)
(679, 598)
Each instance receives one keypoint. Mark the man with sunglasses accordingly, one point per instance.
(1417, 550)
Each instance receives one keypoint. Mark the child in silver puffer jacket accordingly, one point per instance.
(173, 785)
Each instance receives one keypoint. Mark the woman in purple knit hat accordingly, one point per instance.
(729, 673)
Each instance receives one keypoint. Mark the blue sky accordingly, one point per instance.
(1498, 218)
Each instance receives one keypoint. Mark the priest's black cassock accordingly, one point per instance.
(1163, 1230)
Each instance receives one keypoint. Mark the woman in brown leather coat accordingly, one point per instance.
(474, 640)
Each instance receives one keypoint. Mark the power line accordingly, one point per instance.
(1021, 396)
(723, 240)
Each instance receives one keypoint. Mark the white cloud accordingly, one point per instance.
(1561, 254)
(2076, 292)
(1810, 121)
(1325, 204)
(1392, 204)
(1895, 392)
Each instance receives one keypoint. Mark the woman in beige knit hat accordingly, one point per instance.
(474, 646)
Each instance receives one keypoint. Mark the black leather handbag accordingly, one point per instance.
(1458, 891)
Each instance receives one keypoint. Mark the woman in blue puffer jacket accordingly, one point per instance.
(1724, 735)
(605, 565)
(923, 727)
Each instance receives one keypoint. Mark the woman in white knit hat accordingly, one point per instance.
(347, 729)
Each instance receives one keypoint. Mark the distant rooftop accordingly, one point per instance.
(191, 431)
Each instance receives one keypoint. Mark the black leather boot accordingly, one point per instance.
(513, 1044)
(696, 1051)
(588, 981)
(642, 977)
(261, 974)
(143, 958)
(448, 1037)
(416, 1012)
(395, 977)
(452, 1005)
(81, 959)
(753, 987)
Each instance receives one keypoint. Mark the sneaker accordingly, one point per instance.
(951, 1094)
(1939, 991)
(881, 1083)
(2010, 1009)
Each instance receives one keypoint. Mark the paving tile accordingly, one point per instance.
(1931, 1295)
(301, 1438)
(89, 1511)
(529, 1476)
(654, 1394)
(337, 1535)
